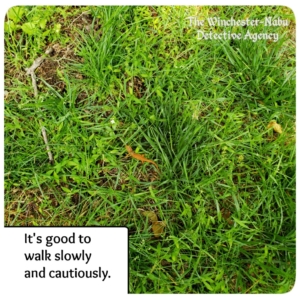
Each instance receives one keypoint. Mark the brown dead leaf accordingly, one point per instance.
(157, 226)
(150, 215)
(276, 127)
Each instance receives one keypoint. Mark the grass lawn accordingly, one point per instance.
(217, 116)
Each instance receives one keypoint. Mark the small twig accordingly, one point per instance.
(37, 62)
(30, 71)
(51, 160)
(83, 13)
(33, 79)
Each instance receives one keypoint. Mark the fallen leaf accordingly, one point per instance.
(158, 228)
(150, 215)
(276, 127)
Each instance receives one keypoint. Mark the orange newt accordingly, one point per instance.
(140, 157)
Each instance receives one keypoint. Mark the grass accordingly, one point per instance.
(199, 108)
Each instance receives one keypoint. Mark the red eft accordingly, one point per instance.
(140, 157)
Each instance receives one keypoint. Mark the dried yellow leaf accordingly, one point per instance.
(276, 127)
(150, 215)
(158, 228)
